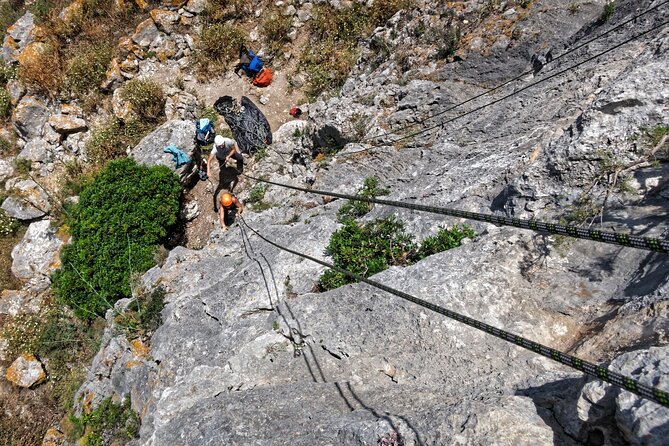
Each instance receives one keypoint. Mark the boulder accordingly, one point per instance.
(6, 169)
(71, 110)
(16, 91)
(113, 77)
(145, 33)
(29, 117)
(149, 151)
(67, 124)
(26, 371)
(28, 202)
(195, 6)
(36, 150)
(16, 302)
(53, 437)
(165, 20)
(18, 36)
(38, 253)
(182, 105)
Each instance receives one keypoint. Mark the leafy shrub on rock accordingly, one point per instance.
(373, 247)
(87, 69)
(220, 42)
(121, 217)
(146, 98)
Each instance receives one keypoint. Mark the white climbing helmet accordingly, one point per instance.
(218, 140)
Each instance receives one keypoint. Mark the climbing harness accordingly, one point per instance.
(618, 380)
(614, 238)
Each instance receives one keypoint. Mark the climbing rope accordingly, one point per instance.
(614, 238)
(618, 380)
(523, 74)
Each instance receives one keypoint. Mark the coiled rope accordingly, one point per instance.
(651, 393)
(613, 238)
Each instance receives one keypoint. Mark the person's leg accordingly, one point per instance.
(221, 183)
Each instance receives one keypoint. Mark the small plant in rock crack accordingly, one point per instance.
(609, 10)
(109, 423)
(143, 316)
(8, 224)
(355, 209)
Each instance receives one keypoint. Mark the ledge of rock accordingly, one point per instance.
(28, 202)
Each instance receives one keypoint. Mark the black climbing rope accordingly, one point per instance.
(618, 380)
(614, 238)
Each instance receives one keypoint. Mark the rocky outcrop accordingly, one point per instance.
(27, 202)
(18, 36)
(29, 117)
(149, 151)
(252, 352)
(26, 371)
(14, 303)
(38, 253)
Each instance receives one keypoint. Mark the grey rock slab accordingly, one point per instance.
(27, 202)
(6, 169)
(16, 302)
(145, 33)
(66, 124)
(26, 371)
(38, 254)
(18, 36)
(36, 150)
(29, 116)
(149, 151)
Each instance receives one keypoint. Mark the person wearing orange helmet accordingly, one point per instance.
(229, 204)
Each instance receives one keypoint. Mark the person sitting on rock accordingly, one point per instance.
(230, 208)
(223, 150)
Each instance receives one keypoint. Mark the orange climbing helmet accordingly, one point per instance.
(226, 200)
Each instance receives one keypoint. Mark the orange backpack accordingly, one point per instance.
(264, 78)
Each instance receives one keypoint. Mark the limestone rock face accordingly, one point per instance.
(250, 349)
(13, 302)
(145, 33)
(27, 202)
(29, 117)
(18, 36)
(26, 371)
(6, 169)
(38, 253)
(165, 19)
(149, 151)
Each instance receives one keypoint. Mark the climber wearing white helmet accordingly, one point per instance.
(223, 150)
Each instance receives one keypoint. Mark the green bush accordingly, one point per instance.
(371, 248)
(146, 98)
(366, 249)
(112, 140)
(110, 423)
(355, 209)
(608, 11)
(220, 42)
(121, 217)
(444, 240)
(5, 104)
(87, 69)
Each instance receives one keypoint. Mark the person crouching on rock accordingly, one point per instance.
(230, 208)
(223, 150)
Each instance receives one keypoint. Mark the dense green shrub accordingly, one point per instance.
(87, 69)
(366, 249)
(121, 217)
(146, 98)
(371, 248)
(444, 240)
(355, 209)
(110, 423)
(112, 140)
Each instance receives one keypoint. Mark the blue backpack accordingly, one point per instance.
(202, 127)
(255, 65)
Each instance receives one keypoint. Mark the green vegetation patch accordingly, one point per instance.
(219, 44)
(121, 216)
(336, 33)
(275, 27)
(5, 104)
(356, 209)
(372, 247)
(143, 316)
(87, 69)
(608, 11)
(112, 140)
(110, 423)
(146, 98)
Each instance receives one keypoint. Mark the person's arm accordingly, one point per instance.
(221, 217)
(209, 161)
(240, 206)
